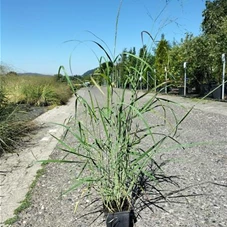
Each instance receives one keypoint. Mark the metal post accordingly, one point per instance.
(147, 80)
(166, 80)
(155, 82)
(140, 79)
(185, 78)
(223, 77)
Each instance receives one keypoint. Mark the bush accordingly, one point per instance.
(11, 73)
(12, 129)
(3, 99)
(42, 95)
(37, 90)
(29, 90)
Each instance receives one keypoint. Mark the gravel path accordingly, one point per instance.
(17, 170)
(204, 167)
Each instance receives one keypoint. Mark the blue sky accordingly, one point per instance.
(34, 32)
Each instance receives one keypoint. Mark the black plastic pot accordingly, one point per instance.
(120, 219)
(181, 91)
(217, 92)
(204, 89)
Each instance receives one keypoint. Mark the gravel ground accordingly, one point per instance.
(202, 169)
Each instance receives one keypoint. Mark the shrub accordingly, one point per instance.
(37, 90)
(42, 95)
(12, 129)
(31, 90)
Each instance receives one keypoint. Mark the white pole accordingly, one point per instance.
(223, 77)
(140, 79)
(130, 82)
(185, 78)
(147, 80)
(155, 83)
(166, 80)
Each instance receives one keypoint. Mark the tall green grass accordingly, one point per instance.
(12, 129)
(36, 90)
(116, 137)
(29, 90)
(110, 132)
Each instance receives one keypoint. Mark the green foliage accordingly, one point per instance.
(109, 138)
(214, 26)
(197, 55)
(203, 57)
(177, 57)
(60, 78)
(11, 73)
(162, 60)
(214, 16)
(3, 99)
(27, 201)
(30, 90)
(42, 95)
(202, 53)
(36, 90)
(12, 129)
(128, 61)
(11, 221)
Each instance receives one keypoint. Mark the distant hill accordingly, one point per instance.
(89, 72)
(33, 74)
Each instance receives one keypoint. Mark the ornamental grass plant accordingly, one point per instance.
(18, 94)
(36, 90)
(114, 143)
(12, 129)
(110, 129)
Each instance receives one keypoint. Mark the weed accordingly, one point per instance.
(12, 220)
(29, 90)
(34, 90)
(27, 201)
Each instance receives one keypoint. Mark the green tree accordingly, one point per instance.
(60, 78)
(162, 59)
(202, 53)
(214, 16)
(177, 57)
(11, 73)
(197, 52)
(132, 61)
(146, 73)
(122, 71)
(214, 27)
(129, 62)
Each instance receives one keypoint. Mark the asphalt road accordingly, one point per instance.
(18, 170)
(204, 166)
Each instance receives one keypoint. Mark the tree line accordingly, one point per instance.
(202, 54)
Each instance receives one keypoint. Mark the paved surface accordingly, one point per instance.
(17, 173)
(208, 106)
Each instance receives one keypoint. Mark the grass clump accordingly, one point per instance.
(17, 95)
(12, 220)
(12, 130)
(111, 130)
(36, 90)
